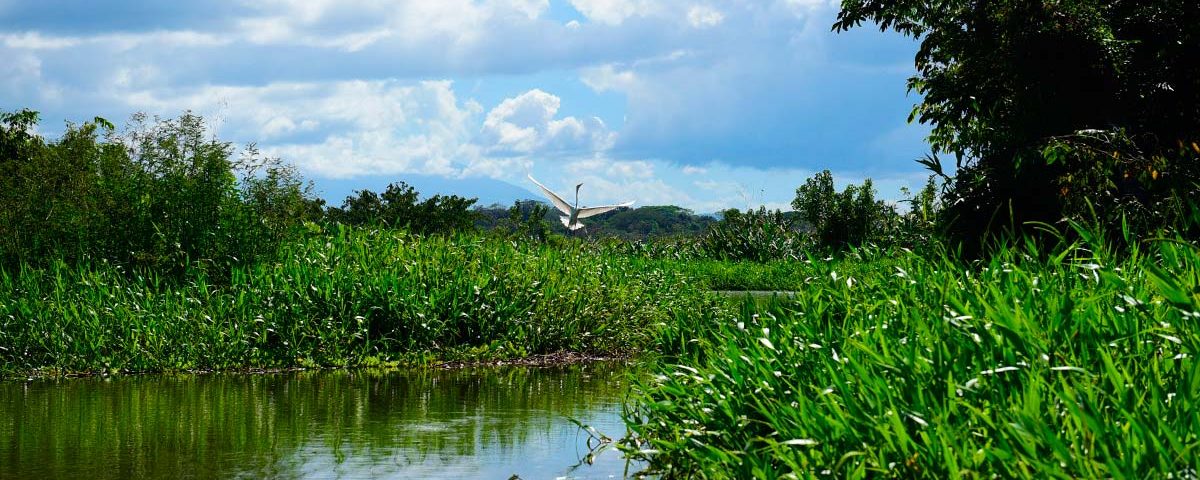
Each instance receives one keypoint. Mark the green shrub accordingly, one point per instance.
(840, 220)
(159, 195)
(398, 207)
(758, 235)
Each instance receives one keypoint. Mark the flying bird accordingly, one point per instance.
(574, 213)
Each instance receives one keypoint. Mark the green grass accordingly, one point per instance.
(1063, 364)
(352, 298)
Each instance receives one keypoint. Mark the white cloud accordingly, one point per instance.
(333, 86)
(607, 77)
(614, 12)
(809, 6)
(350, 128)
(704, 16)
(526, 123)
(37, 41)
(637, 169)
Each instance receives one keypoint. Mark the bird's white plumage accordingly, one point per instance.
(574, 213)
(558, 202)
(592, 211)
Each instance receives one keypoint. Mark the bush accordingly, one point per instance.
(397, 207)
(757, 235)
(840, 220)
(160, 195)
(526, 220)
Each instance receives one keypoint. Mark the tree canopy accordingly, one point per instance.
(1047, 106)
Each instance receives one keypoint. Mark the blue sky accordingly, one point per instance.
(703, 104)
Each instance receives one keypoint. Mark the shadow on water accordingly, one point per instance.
(472, 423)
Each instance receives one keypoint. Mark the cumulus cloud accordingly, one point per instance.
(710, 104)
(339, 129)
(526, 123)
(608, 77)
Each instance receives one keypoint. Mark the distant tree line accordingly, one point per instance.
(161, 194)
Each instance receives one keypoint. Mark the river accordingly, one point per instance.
(492, 422)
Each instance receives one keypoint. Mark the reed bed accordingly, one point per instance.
(1070, 363)
(353, 297)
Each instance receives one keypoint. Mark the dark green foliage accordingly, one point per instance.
(758, 235)
(839, 220)
(525, 220)
(642, 223)
(1027, 94)
(398, 207)
(1115, 184)
(651, 221)
(159, 195)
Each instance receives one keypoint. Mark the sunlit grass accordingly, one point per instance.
(352, 298)
(1070, 363)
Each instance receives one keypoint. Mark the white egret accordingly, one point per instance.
(574, 213)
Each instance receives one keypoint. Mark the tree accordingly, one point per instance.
(398, 207)
(1017, 90)
(161, 195)
(839, 220)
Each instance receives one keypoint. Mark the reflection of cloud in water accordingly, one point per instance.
(546, 446)
(486, 423)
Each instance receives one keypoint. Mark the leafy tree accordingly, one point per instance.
(838, 220)
(160, 195)
(398, 207)
(526, 219)
(1027, 95)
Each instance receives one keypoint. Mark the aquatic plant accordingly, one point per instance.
(1072, 362)
(352, 297)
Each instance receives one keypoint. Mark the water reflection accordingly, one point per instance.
(477, 423)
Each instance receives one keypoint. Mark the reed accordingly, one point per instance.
(1072, 362)
(354, 297)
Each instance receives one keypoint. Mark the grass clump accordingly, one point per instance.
(356, 297)
(1069, 363)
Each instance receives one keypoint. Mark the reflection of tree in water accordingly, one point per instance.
(288, 424)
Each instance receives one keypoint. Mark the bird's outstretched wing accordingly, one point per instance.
(558, 202)
(592, 211)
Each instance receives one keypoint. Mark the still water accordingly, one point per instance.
(473, 423)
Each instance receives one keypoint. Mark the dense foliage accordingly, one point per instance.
(757, 235)
(355, 297)
(1068, 363)
(398, 207)
(159, 195)
(838, 220)
(1051, 108)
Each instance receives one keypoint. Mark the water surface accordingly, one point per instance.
(472, 423)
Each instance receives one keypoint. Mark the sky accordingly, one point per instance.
(702, 104)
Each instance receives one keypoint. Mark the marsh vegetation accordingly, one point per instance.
(1031, 312)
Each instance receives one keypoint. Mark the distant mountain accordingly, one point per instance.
(489, 191)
